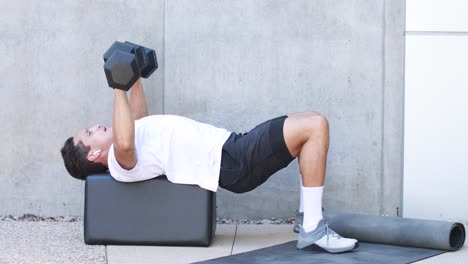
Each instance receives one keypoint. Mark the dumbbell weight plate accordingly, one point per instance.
(152, 63)
(150, 58)
(126, 47)
(121, 70)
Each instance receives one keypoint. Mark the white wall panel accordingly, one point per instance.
(437, 15)
(436, 127)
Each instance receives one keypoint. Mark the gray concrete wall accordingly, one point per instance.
(53, 85)
(233, 64)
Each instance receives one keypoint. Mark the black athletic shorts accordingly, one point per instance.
(249, 159)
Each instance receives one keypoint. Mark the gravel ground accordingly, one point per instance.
(34, 218)
(52, 240)
(273, 221)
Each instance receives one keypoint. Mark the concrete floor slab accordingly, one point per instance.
(46, 242)
(220, 247)
(251, 237)
(457, 257)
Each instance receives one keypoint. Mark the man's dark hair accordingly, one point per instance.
(76, 161)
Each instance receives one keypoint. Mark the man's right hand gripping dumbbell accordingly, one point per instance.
(126, 62)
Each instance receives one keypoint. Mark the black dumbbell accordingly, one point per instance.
(122, 65)
(151, 61)
(134, 49)
(122, 70)
(145, 59)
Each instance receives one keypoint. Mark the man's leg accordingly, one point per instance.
(307, 137)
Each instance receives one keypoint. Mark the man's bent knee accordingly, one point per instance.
(316, 124)
(301, 127)
(320, 123)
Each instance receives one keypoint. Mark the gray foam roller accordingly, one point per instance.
(399, 231)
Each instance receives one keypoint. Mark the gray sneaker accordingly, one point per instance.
(324, 237)
(298, 221)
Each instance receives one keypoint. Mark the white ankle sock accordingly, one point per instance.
(312, 207)
(301, 201)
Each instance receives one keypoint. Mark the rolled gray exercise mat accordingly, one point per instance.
(398, 231)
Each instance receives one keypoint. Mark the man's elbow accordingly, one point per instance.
(124, 145)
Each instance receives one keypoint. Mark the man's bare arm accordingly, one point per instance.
(123, 129)
(138, 101)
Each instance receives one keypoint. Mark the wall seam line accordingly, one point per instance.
(402, 150)
(382, 157)
(164, 62)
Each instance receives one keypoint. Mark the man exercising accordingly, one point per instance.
(138, 147)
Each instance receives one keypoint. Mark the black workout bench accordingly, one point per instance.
(151, 212)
